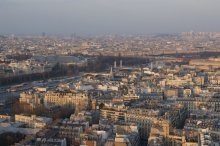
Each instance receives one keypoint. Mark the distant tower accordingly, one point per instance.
(120, 63)
(111, 76)
(111, 72)
(72, 36)
(115, 64)
(43, 34)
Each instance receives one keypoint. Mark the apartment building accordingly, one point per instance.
(69, 98)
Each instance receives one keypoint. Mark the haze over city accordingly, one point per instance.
(98, 17)
(109, 73)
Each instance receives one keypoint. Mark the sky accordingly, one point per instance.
(103, 17)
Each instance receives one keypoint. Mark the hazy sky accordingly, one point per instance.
(108, 16)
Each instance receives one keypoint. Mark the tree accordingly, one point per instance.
(9, 138)
(101, 105)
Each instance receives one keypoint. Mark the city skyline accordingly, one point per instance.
(100, 17)
(109, 73)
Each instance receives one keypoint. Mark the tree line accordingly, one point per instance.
(101, 63)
